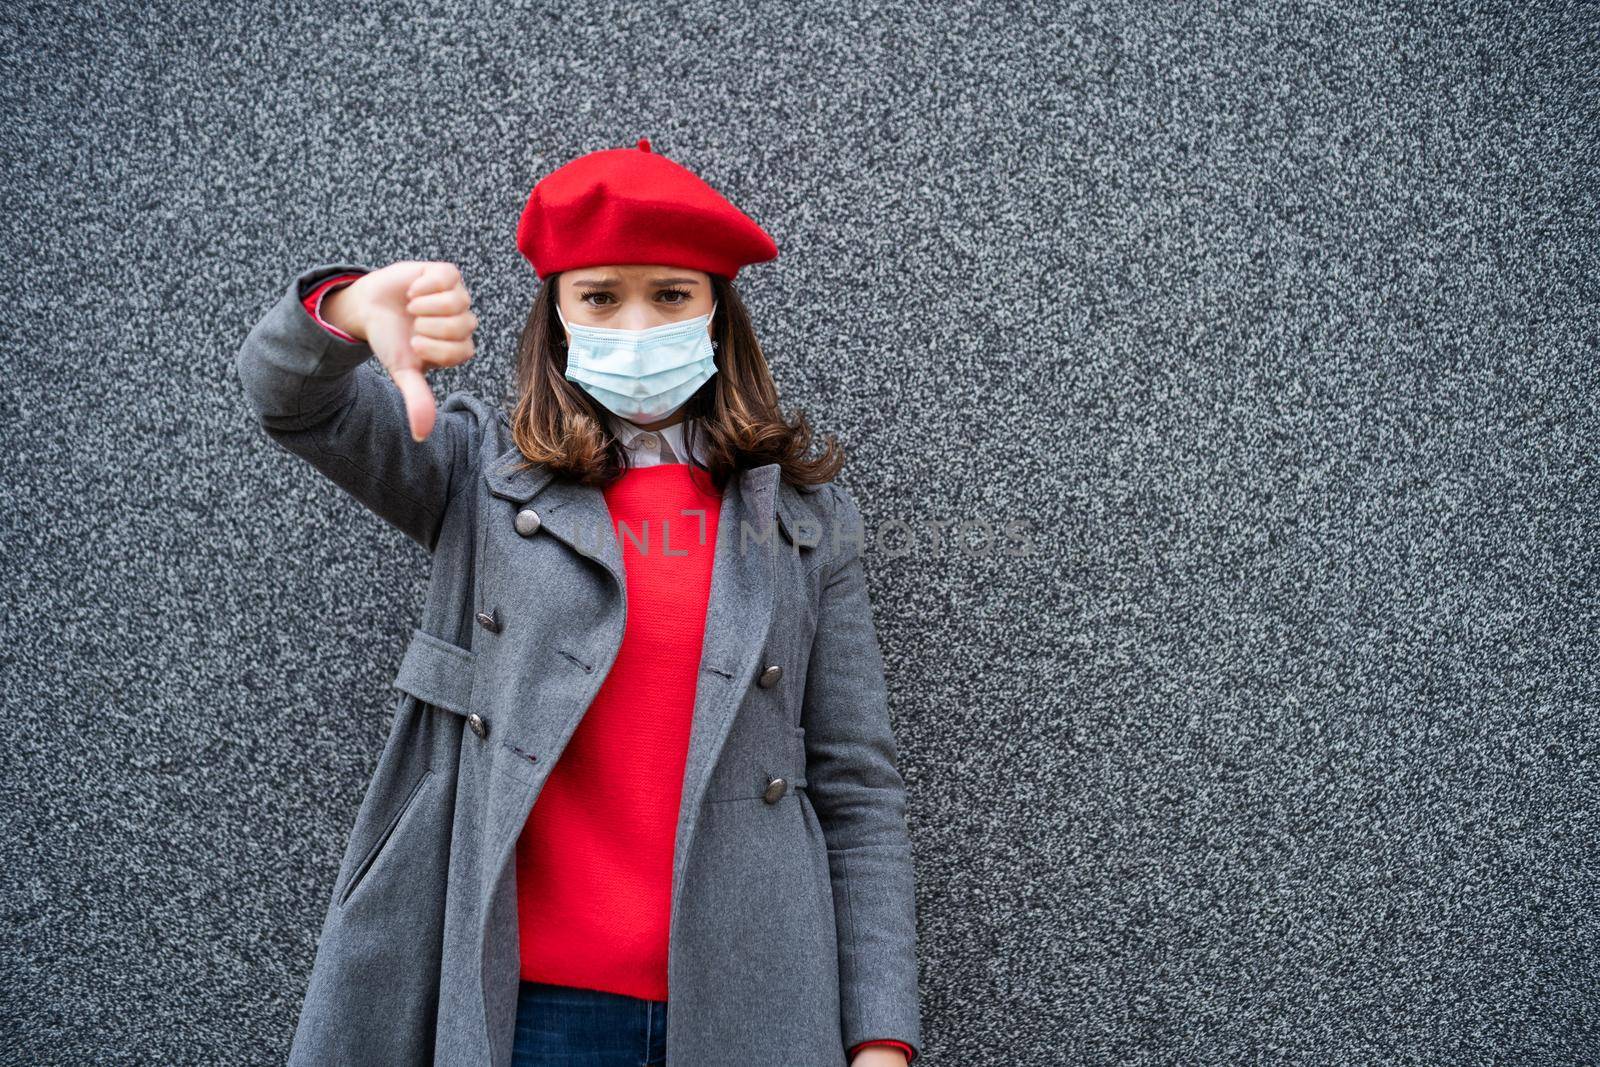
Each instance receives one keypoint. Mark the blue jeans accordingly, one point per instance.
(564, 1026)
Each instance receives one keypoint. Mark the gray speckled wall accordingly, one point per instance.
(1278, 323)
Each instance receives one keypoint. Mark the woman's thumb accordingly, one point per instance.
(418, 395)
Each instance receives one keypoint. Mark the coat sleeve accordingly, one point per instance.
(325, 400)
(859, 797)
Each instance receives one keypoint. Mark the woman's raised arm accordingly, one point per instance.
(324, 399)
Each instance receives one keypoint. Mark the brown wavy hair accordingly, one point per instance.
(556, 423)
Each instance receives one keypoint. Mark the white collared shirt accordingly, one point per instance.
(646, 448)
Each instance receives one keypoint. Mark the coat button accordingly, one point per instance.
(770, 676)
(527, 522)
(775, 790)
(479, 727)
(490, 622)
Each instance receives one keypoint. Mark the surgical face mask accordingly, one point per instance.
(641, 375)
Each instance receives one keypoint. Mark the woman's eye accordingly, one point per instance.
(592, 299)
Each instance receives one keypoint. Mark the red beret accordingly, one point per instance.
(631, 205)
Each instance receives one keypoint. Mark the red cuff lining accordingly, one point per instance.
(313, 302)
(890, 1042)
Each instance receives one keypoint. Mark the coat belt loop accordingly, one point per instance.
(797, 776)
(437, 672)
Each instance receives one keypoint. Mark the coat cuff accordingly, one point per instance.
(313, 302)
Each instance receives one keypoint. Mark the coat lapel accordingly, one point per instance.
(738, 615)
(577, 514)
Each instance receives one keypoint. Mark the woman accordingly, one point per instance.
(641, 755)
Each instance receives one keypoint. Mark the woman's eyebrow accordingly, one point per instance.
(595, 283)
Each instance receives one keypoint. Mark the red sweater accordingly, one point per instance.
(594, 861)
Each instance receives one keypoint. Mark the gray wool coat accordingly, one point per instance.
(792, 933)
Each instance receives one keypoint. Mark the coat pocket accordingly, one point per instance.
(359, 875)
